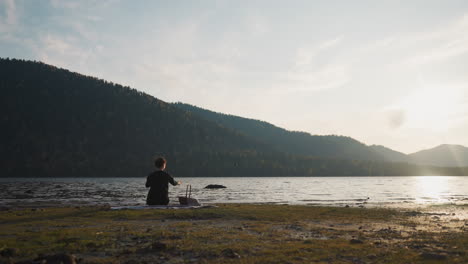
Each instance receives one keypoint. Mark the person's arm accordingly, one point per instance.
(172, 181)
(148, 181)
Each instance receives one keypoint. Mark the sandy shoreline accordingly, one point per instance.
(235, 233)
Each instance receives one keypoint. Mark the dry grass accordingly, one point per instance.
(235, 233)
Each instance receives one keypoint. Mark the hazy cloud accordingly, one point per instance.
(68, 4)
(61, 51)
(305, 55)
(309, 74)
(258, 25)
(442, 43)
(328, 75)
(9, 17)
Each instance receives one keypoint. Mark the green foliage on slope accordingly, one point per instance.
(294, 142)
(55, 122)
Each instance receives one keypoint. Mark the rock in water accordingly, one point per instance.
(215, 186)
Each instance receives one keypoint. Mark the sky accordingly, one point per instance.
(392, 73)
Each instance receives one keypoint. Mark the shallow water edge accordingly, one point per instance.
(331, 191)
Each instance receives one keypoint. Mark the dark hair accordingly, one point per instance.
(159, 162)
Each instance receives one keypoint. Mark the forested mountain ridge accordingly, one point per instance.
(329, 146)
(390, 154)
(57, 123)
(442, 155)
(293, 142)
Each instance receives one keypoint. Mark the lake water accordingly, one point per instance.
(337, 191)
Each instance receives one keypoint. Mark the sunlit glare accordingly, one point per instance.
(431, 188)
(434, 108)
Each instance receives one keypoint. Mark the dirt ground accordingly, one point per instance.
(235, 233)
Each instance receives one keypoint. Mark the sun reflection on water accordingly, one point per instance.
(431, 188)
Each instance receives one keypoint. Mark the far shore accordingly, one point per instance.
(234, 233)
(243, 176)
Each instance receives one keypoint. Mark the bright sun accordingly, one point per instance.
(433, 108)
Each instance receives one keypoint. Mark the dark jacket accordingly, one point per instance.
(158, 182)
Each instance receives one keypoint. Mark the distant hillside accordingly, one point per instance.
(57, 123)
(390, 154)
(299, 143)
(443, 155)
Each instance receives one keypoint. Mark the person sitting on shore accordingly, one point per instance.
(158, 182)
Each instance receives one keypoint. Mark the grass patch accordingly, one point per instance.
(230, 233)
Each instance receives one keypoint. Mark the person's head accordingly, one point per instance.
(160, 163)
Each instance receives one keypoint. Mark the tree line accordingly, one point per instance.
(57, 123)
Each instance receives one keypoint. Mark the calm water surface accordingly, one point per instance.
(354, 191)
